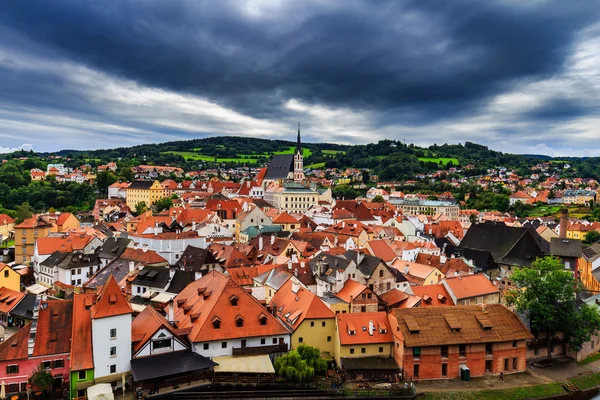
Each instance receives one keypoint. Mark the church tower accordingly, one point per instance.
(298, 160)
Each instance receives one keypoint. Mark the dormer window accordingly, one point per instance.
(239, 321)
(216, 323)
(234, 300)
(262, 319)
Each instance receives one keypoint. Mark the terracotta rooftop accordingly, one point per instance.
(53, 334)
(355, 328)
(111, 301)
(145, 325)
(9, 299)
(350, 291)
(146, 257)
(464, 287)
(379, 248)
(82, 356)
(15, 347)
(294, 304)
(433, 295)
(431, 326)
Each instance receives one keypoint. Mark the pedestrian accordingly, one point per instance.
(501, 379)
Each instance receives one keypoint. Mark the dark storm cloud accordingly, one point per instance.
(560, 110)
(429, 58)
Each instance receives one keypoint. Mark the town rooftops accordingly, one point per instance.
(469, 286)
(82, 357)
(351, 291)
(9, 299)
(15, 347)
(140, 185)
(435, 326)
(294, 304)
(111, 301)
(54, 323)
(146, 324)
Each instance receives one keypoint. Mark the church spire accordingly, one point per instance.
(298, 145)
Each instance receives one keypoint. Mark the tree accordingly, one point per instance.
(140, 207)
(104, 179)
(41, 379)
(378, 199)
(592, 237)
(366, 177)
(24, 211)
(163, 204)
(301, 364)
(546, 294)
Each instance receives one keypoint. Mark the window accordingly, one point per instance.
(217, 323)
(23, 386)
(363, 350)
(462, 350)
(488, 349)
(351, 351)
(223, 345)
(416, 370)
(6, 273)
(113, 369)
(239, 322)
(205, 346)
(59, 363)
(488, 365)
(514, 343)
(161, 343)
(113, 351)
(323, 324)
(444, 351)
(12, 369)
(381, 349)
(263, 319)
(113, 332)
(329, 338)
(312, 323)
(234, 301)
(300, 340)
(444, 370)
(82, 375)
(381, 273)
(416, 353)
(46, 364)
(274, 340)
(515, 364)
(243, 342)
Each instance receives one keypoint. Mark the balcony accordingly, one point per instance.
(256, 350)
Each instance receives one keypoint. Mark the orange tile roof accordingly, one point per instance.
(433, 295)
(434, 330)
(54, 326)
(191, 215)
(82, 356)
(294, 307)
(150, 222)
(350, 291)
(208, 300)
(359, 323)
(145, 325)
(464, 287)
(9, 299)
(379, 248)
(285, 218)
(15, 347)
(5, 219)
(394, 297)
(65, 243)
(143, 256)
(111, 301)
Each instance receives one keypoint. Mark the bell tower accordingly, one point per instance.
(298, 160)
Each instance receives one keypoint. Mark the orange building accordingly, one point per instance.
(39, 226)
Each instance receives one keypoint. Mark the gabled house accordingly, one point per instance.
(360, 298)
(223, 319)
(305, 315)
(472, 289)
(82, 357)
(331, 272)
(9, 278)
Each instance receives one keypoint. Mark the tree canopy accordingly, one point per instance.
(545, 293)
(301, 364)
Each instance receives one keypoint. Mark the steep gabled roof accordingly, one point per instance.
(280, 166)
(195, 259)
(209, 299)
(54, 328)
(146, 324)
(294, 304)
(9, 299)
(351, 291)
(354, 328)
(15, 347)
(111, 301)
(82, 356)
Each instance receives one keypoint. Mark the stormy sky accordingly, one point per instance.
(518, 76)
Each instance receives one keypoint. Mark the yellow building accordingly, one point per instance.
(310, 320)
(291, 197)
(9, 278)
(362, 340)
(143, 191)
(7, 227)
(39, 226)
(578, 231)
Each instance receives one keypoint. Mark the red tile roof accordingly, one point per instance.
(209, 299)
(354, 328)
(379, 248)
(293, 307)
(468, 286)
(143, 256)
(15, 347)
(111, 301)
(350, 291)
(145, 325)
(285, 218)
(54, 328)
(82, 356)
(433, 295)
(66, 243)
(5, 219)
(9, 299)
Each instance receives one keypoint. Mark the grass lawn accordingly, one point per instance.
(188, 155)
(290, 150)
(587, 381)
(444, 160)
(527, 392)
(592, 358)
(545, 211)
(315, 166)
(333, 152)
(9, 244)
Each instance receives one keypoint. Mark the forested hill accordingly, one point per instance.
(390, 159)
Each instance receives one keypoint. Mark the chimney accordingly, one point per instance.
(295, 287)
(171, 273)
(272, 239)
(564, 220)
(289, 264)
(260, 242)
(131, 267)
(193, 224)
(335, 240)
(406, 269)
(171, 310)
(343, 224)
(371, 328)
